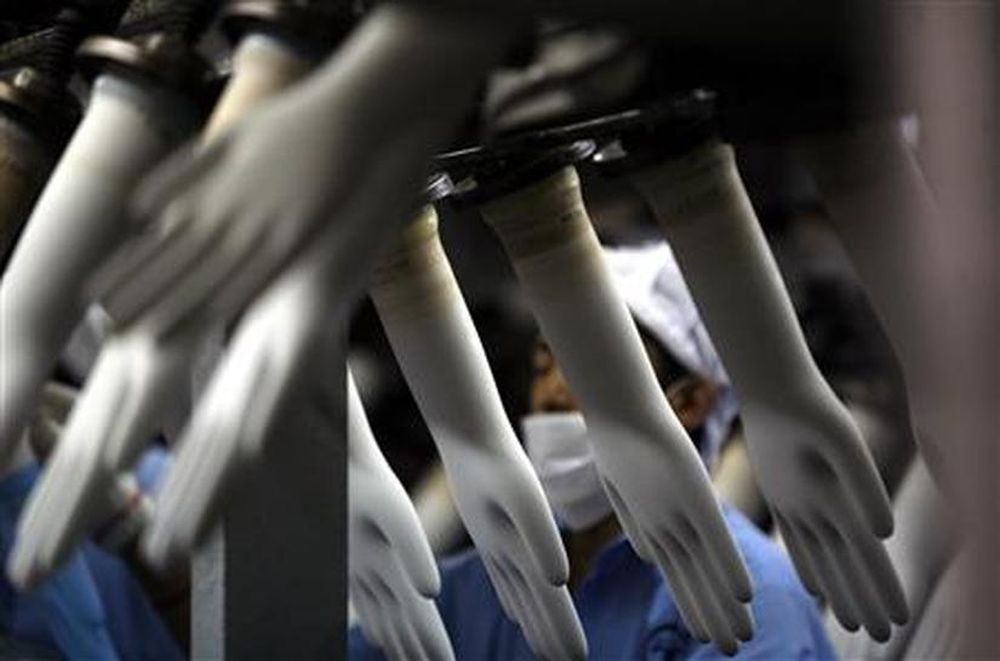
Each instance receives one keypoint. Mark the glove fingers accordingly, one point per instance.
(800, 559)
(681, 592)
(865, 600)
(832, 583)
(394, 647)
(864, 486)
(511, 605)
(71, 496)
(413, 551)
(507, 601)
(131, 257)
(139, 416)
(432, 633)
(190, 290)
(174, 175)
(233, 294)
(532, 519)
(230, 464)
(207, 450)
(235, 253)
(556, 606)
(86, 502)
(735, 610)
(366, 612)
(715, 620)
(22, 563)
(547, 631)
(127, 296)
(711, 533)
(529, 619)
(408, 632)
(632, 529)
(873, 560)
(391, 617)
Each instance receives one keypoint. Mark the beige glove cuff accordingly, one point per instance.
(414, 278)
(540, 217)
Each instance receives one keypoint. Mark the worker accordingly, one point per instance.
(625, 605)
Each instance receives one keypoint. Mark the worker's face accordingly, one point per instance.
(691, 397)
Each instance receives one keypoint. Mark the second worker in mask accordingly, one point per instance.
(626, 607)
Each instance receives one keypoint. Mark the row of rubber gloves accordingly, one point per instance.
(280, 218)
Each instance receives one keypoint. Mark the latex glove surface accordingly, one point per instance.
(78, 220)
(117, 501)
(233, 216)
(392, 576)
(494, 485)
(812, 465)
(119, 410)
(653, 475)
(139, 373)
(921, 549)
(278, 338)
(293, 318)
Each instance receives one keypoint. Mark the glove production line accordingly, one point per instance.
(202, 200)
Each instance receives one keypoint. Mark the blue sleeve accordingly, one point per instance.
(65, 608)
(73, 612)
(133, 623)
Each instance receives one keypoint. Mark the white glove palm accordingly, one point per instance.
(812, 465)
(232, 217)
(132, 383)
(392, 575)
(54, 503)
(649, 465)
(138, 374)
(803, 466)
(278, 338)
(496, 491)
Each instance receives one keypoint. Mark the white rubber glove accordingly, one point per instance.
(496, 490)
(650, 469)
(78, 220)
(881, 207)
(118, 500)
(271, 347)
(138, 374)
(921, 549)
(812, 464)
(131, 384)
(279, 338)
(234, 216)
(392, 576)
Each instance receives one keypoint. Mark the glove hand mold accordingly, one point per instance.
(138, 372)
(650, 469)
(78, 219)
(230, 217)
(812, 465)
(391, 572)
(495, 488)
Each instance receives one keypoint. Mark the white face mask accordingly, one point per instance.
(557, 445)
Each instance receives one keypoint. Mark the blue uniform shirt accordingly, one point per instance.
(627, 610)
(92, 608)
